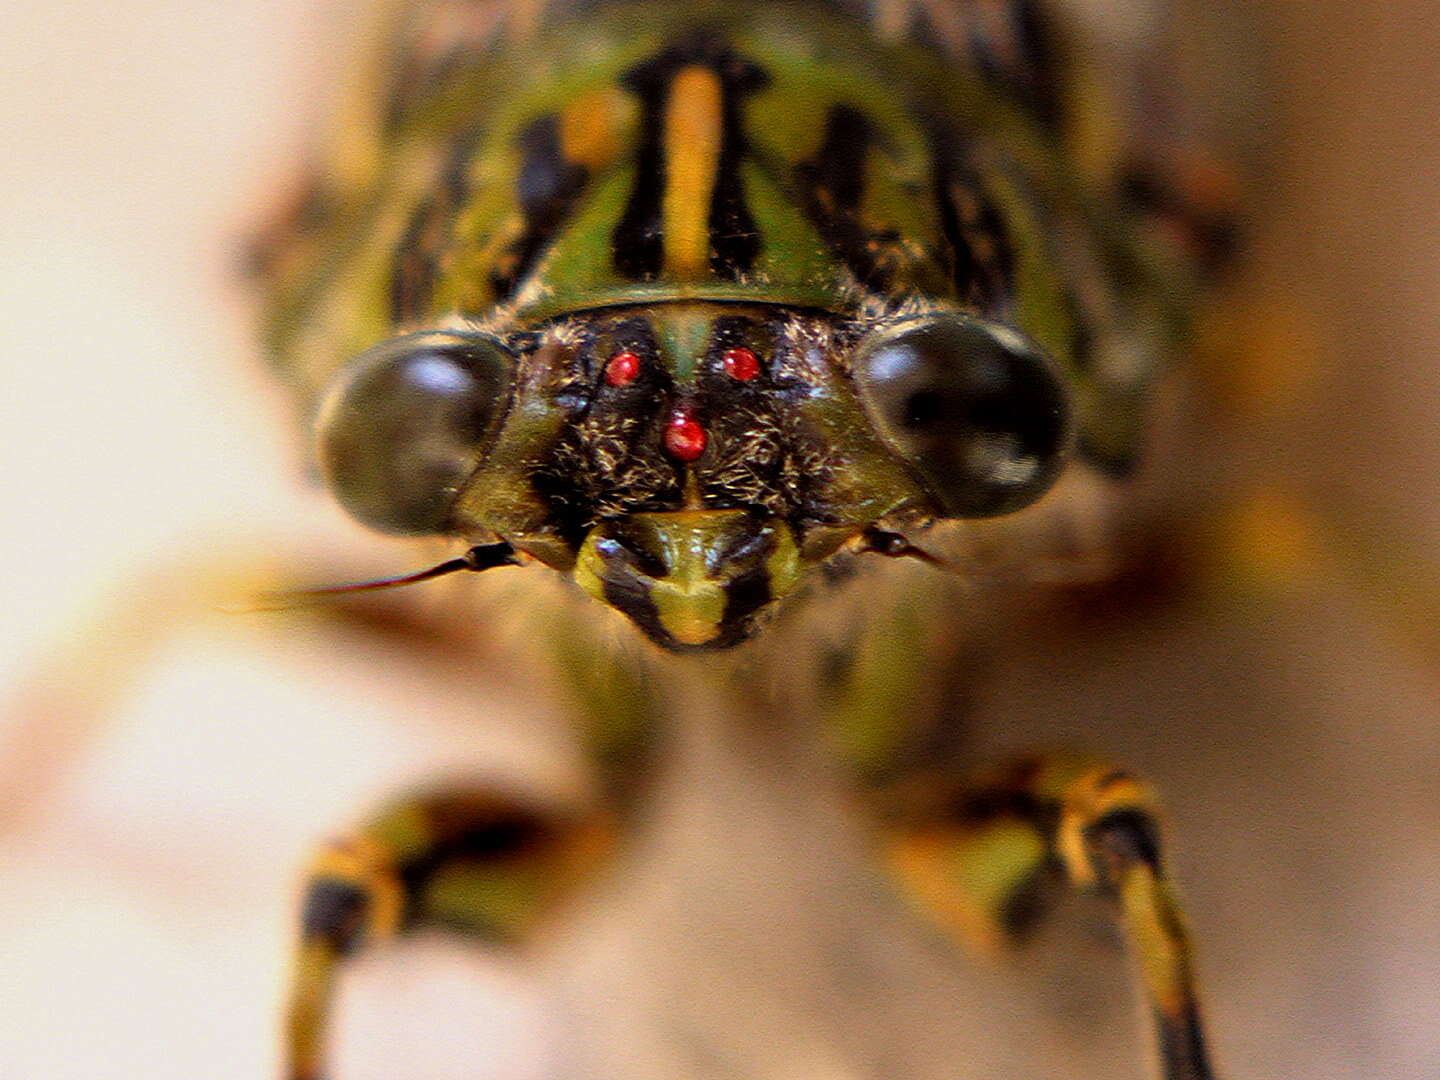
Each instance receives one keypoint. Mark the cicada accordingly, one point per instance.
(759, 353)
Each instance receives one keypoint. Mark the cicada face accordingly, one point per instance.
(689, 463)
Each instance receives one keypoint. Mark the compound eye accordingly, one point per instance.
(407, 422)
(975, 407)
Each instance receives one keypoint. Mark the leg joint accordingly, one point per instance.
(1121, 839)
(1109, 823)
(353, 894)
(336, 913)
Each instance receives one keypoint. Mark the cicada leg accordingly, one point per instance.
(983, 860)
(475, 861)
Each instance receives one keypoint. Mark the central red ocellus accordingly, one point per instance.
(684, 437)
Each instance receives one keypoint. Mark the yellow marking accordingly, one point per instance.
(1149, 910)
(587, 572)
(690, 605)
(591, 125)
(694, 131)
(783, 565)
(1161, 940)
(467, 287)
(691, 623)
(308, 1010)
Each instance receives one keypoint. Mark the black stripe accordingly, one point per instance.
(745, 594)
(470, 833)
(1040, 80)
(498, 834)
(1182, 1045)
(982, 807)
(1032, 75)
(1029, 68)
(1025, 907)
(734, 240)
(548, 188)
(982, 258)
(628, 595)
(833, 185)
(637, 244)
(416, 268)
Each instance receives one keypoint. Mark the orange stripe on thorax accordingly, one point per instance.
(693, 134)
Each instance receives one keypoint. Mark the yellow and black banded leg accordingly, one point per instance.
(982, 861)
(472, 861)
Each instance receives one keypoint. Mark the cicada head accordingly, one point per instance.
(688, 464)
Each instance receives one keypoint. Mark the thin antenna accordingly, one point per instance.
(895, 545)
(1054, 572)
(480, 557)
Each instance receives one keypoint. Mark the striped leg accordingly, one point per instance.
(983, 860)
(472, 861)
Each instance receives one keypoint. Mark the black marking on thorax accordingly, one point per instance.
(548, 188)
(981, 255)
(833, 186)
(638, 239)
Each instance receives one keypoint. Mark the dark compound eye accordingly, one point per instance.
(978, 410)
(407, 422)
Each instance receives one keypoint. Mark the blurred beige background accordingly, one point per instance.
(143, 907)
